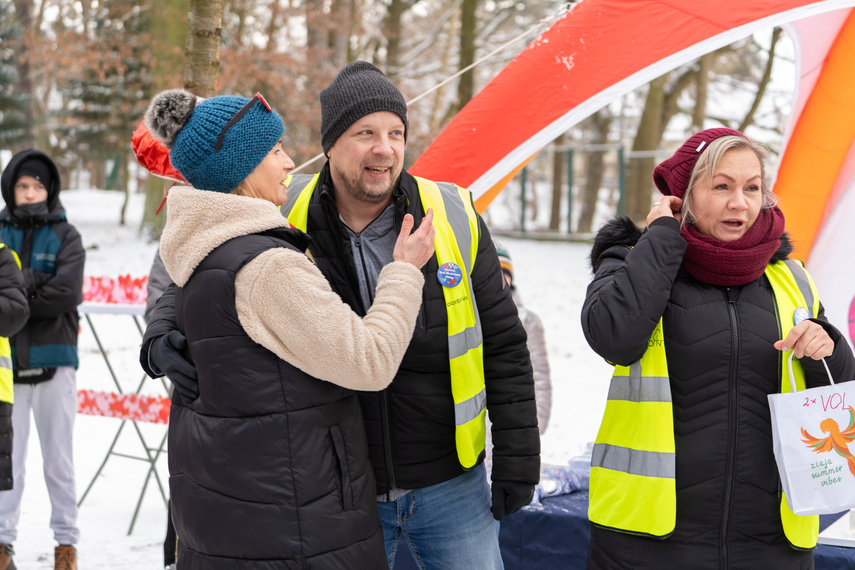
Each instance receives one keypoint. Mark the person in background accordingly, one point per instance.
(14, 312)
(269, 462)
(697, 313)
(44, 351)
(426, 431)
(158, 281)
(536, 343)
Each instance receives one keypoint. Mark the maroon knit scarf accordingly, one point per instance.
(735, 262)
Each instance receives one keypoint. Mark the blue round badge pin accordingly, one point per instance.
(449, 275)
(800, 314)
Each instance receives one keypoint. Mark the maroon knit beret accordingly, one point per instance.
(672, 176)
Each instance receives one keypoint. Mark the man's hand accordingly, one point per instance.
(416, 248)
(509, 497)
(165, 354)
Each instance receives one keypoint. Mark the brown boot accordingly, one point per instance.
(65, 558)
(6, 554)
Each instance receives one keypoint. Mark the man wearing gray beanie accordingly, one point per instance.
(467, 356)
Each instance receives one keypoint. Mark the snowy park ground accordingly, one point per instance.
(551, 277)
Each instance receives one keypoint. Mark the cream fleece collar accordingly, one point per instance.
(198, 221)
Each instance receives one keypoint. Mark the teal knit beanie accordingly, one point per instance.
(207, 156)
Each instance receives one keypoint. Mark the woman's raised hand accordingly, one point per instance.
(665, 206)
(415, 248)
(807, 339)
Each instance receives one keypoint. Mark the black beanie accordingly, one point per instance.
(37, 168)
(359, 89)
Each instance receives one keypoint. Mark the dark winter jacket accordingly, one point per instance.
(52, 258)
(728, 489)
(14, 309)
(14, 312)
(410, 425)
(267, 467)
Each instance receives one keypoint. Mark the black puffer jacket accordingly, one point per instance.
(267, 467)
(728, 490)
(14, 312)
(410, 425)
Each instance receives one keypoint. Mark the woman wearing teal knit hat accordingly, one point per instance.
(273, 448)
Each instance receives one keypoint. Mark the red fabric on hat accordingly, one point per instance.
(151, 154)
(672, 176)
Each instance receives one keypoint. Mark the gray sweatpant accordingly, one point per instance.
(53, 405)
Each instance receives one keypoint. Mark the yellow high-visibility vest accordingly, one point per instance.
(633, 464)
(456, 243)
(7, 392)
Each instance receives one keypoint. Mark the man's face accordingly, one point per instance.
(29, 190)
(367, 159)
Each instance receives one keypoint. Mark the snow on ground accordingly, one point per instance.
(551, 277)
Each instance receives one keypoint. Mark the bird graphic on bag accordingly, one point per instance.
(836, 440)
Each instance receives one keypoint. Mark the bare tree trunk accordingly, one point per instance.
(558, 160)
(201, 70)
(98, 174)
(272, 25)
(204, 29)
(339, 34)
(392, 32)
(764, 82)
(466, 82)
(595, 171)
(638, 180)
(701, 83)
(436, 120)
(123, 183)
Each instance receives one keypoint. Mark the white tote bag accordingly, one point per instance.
(813, 431)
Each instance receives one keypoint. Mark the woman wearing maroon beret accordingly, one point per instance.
(698, 312)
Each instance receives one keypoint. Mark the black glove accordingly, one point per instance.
(165, 353)
(509, 497)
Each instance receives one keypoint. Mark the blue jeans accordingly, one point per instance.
(447, 525)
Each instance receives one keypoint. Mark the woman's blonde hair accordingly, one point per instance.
(706, 166)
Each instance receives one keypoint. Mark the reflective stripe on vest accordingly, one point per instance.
(794, 287)
(7, 391)
(296, 206)
(457, 235)
(457, 232)
(633, 464)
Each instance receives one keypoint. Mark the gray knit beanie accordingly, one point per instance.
(359, 89)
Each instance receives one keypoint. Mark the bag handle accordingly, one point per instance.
(790, 365)
(799, 315)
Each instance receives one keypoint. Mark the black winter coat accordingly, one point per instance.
(14, 312)
(410, 424)
(722, 366)
(267, 467)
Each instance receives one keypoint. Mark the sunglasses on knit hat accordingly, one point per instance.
(238, 116)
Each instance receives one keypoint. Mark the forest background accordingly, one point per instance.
(76, 77)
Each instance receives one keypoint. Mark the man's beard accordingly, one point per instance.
(358, 191)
